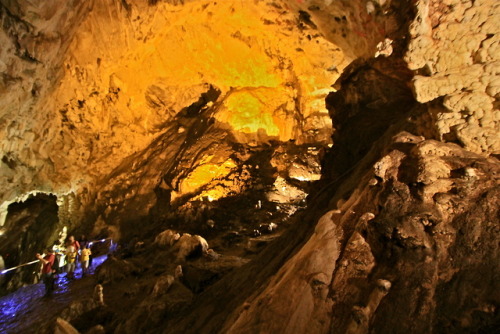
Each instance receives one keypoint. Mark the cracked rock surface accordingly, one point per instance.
(335, 162)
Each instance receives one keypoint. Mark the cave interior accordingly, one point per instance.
(260, 166)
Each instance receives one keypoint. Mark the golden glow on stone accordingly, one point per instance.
(129, 71)
(259, 113)
(227, 44)
(213, 194)
(205, 174)
(248, 114)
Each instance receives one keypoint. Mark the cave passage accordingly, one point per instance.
(23, 310)
(284, 166)
(28, 227)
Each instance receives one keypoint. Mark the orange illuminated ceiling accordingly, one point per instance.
(129, 71)
(232, 45)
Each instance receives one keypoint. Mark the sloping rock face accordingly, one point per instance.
(401, 231)
(392, 257)
(402, 237)
(408, 236)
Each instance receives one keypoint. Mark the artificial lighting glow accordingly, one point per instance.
(302, 178)
(248, 114)
(206, 173)
(285, 192)
(304, 173)
(262, 112)
(214, 194)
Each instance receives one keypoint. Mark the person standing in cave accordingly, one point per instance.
(59, 262)
(71, 261)
(71, 242)
(47, 271)
(84, 259)
(84, 243)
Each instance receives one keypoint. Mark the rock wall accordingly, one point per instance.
(127, 110)
(90, 83)
(29, 227)
(454, 51)
(419, 241)
(401, 232)
(400, 238)
(407, 214)
(35, 39)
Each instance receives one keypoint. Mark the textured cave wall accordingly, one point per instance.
(359, 28)
(454, 51)
(275, 97)
(403, 235)
(30, 226)
(89, 86)
(35, 39)
(127, 110)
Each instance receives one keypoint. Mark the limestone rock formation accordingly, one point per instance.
(377, 212)
(64, 327)
(454, 49)
(190, 245)
(167, 238)
(162, 285)
(103, 96)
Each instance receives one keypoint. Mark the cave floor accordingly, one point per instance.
(25, 310)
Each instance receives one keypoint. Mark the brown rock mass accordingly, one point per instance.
(339, 157)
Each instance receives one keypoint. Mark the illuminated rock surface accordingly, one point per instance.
(340, 158)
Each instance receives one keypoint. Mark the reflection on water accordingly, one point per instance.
(63, 282)
(17, 310)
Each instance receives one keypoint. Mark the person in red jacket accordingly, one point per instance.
(72, 242)
(47, 271)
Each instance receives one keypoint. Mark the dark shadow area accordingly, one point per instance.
(30, 226)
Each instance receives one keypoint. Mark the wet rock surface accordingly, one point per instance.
(232, 214)
(28, 228)
(28, 311)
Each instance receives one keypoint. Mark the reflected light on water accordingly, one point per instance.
(26, 299)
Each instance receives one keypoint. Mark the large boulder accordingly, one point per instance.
(191, 246)
(114, 269)
(167, 238)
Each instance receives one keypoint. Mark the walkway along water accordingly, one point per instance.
(25, 309)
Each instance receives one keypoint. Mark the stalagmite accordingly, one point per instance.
(361, 315)
(99, 294)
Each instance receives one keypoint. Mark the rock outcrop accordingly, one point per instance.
(208, 117)
(455, 52)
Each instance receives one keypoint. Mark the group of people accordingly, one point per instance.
(63, 258)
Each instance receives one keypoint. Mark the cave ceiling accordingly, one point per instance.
(364, 132)
(87, 84)
(90, 89)
(130, 98)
